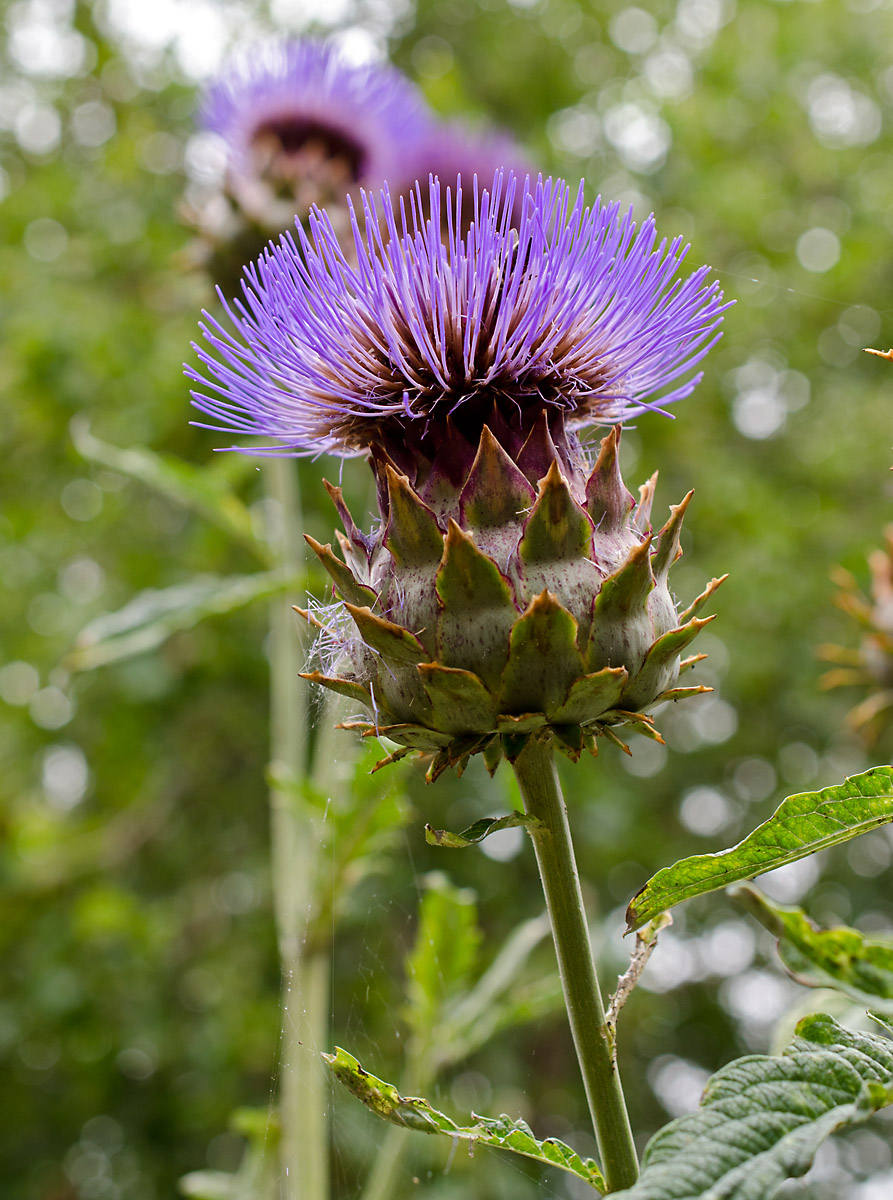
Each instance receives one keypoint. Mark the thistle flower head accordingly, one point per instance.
(302, 125)
(510, 590)
(415, 340)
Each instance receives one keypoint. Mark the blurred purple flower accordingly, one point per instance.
(303, 125)
(576, 314)
(452, 151)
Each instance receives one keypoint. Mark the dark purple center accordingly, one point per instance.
(293, 135)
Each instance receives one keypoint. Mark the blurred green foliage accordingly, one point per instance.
(140, 995)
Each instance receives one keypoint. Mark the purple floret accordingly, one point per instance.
(576, 313)
(305, 91)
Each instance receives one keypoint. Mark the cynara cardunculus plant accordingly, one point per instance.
(513, 598)
(511, 586)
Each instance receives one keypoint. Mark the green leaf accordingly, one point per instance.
(763, 1117)
(840, 957)
(477, 832)
(205, 490)
(152, 616)
(802, 825)
(501, 998)
(444, 954)
(412, 1112)
(390, 640)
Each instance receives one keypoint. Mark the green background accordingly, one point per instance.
(139, 1002)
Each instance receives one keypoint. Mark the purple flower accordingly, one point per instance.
(452, 151)
(413, 336)
(298, 118)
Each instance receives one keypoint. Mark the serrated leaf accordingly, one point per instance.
(477, 832)
(657, 669)
(152, 616)
(802, 825)
(417, 737)
(496, 491)
(668, 547)
(203, 489)
(839, 957)
(557, 528)
(621, 629)
(343, 687)
(763, 1117)
(607, 499)
(413, 1112)
(413, 536)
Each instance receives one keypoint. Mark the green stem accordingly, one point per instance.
(594, 1042)
(304, 1088)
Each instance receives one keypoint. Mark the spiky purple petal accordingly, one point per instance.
(576, 311)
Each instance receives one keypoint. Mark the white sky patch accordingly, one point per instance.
(764, 395)
(64, 776)
(41, 40)
(38, 128)
(633, 30)
(840, 115)
(789, 884)
(705, 811)
(201, 33)
(677, 1083)
(197, 31)
(299, 13)
(818, 250)
(641, 138)
(668, 73)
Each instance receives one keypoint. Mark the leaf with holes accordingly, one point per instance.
(477, 832)
(412, 1112)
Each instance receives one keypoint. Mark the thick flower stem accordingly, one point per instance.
(594, 1042)
(304, 1088)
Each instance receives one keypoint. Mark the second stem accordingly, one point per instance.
(593, 1040)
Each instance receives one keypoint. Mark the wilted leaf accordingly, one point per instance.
(802, 825)
(762, 1118)
(412, 1112)
(475, 833)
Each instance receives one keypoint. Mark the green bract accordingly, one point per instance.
(531, 596)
